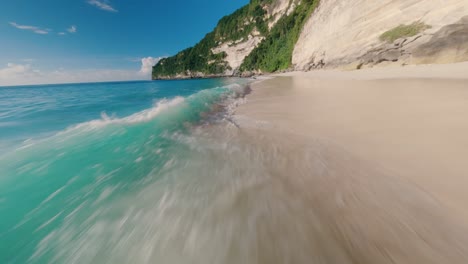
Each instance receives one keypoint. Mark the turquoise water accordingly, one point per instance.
(77, 162)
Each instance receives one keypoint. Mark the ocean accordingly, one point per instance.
(95, 173)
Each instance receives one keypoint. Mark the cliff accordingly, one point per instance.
(276, 35)
(258, 37)
(352, 33)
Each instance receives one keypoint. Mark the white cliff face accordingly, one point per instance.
(277, 10)
(236, 53)
(237, 50)
(340, 32)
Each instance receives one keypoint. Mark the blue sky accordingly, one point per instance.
(54, 41)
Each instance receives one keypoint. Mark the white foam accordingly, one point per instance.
(143, 116)
(231, 103)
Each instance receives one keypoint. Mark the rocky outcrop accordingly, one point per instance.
(399, 51)
(345, 33)
(449, 44)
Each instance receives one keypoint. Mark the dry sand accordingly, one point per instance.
(395, 180)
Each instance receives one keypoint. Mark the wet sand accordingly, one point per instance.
(387, 182)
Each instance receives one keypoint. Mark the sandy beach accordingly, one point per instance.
(393, 147)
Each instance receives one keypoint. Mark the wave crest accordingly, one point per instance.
(142, 116)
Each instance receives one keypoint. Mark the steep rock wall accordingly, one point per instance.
(236, 51)
(346, 33)
(222, 51)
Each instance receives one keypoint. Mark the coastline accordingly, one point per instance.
(394, 141)
(427, 71)
(275, 183)
(204, 76)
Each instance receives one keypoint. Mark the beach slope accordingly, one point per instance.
(392, 150)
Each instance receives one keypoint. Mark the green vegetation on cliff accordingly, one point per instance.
(403, 31)
(242, 22)
(274, 53)
(200, 58)
(196, 59)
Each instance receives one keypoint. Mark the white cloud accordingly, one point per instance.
(43, 31)
(147, 65)
(13, 70)
(14, 74)
(34, 29)
(25, 74)
(72, 29)
(102, 4)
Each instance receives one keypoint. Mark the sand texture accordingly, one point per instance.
(385, 174)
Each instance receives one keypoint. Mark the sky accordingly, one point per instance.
(62, 41)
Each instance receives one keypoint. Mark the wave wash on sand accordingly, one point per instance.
(284, 178)
(388, 182)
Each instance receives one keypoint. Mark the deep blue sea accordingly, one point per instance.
(85, 169)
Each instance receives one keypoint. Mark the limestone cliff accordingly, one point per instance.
(237, 50)
(277, 35)
(223, 51)
(346, 33)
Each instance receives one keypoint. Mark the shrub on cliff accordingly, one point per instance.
(402, 31)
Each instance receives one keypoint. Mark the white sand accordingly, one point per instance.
(434, 71)
(414, 128)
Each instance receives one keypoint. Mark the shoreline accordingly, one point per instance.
(438, 71)
(409, 122)
(425, 71)
(369, 105)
